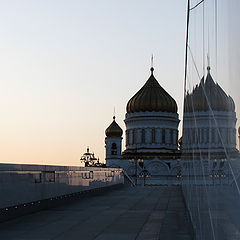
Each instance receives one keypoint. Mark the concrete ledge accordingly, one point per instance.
(31, 207)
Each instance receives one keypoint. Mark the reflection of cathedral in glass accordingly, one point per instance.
(209, 118)
(152, 130)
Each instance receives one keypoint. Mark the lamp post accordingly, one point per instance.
(136, 163)
(179, 175)
(144, 174)
(139, 162)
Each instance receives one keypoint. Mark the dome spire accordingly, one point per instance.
(152, 69)
(114, 117)
(114, 130)
(208, 66)
(151, 98)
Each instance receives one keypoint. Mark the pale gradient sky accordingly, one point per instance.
(66, 64)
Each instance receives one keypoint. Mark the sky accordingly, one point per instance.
(65, 66)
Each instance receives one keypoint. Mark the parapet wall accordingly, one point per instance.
(21, 184)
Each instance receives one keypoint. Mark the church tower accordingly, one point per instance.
(113, 144)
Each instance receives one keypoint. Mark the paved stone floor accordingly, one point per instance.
(141, 213)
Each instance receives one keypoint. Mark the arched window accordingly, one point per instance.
(143, 135)
(171, 137)
(134, 136)
(227, 136)
(114, 149)
(213, 135)
(193, 136)
(153, 135)
(199, 135)
(202, 135)
(163, 135)
(219, 136)
(127, 137)
(207, 135)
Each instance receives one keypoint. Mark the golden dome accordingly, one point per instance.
(151, 98)
(207, 94)
(114, 130)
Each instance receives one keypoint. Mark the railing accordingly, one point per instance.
(20, 184)
(129, 178)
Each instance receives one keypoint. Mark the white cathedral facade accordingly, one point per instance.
(152, 137)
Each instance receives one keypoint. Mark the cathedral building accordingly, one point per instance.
(151, 135)
(152, 146)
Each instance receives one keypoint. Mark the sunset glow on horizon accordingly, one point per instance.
(66, 65)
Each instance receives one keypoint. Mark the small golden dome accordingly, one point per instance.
(114, 130)
(208, 94)
(151, 98)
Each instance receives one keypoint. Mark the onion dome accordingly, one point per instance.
(151, 98)
(231, 104)
(208, 94)
(114, 130)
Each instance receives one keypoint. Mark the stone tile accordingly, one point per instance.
(131, 213)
